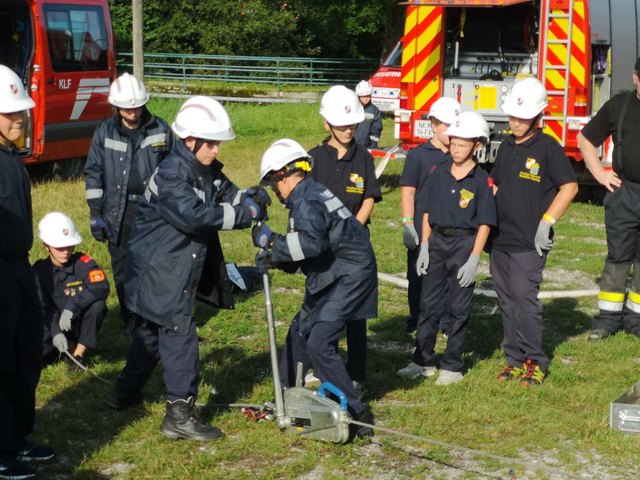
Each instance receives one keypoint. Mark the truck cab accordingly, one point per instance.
(63, 50)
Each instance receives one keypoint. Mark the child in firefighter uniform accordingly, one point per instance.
(125, 150)
(174, 255)
(347, 169)
(333, 250)
(370, 129)
(534, 185)
(72, 288)
(459, 213)
(20, 313)
(420, 162)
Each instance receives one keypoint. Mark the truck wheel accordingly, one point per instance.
(69, 169)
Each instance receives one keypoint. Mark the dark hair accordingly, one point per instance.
(637, 67)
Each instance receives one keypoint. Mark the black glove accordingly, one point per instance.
(261, 235)
(263, 261)
(99, 228)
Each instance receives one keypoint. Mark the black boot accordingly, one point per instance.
(181, 421)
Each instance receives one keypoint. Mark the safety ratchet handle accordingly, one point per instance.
(271, 327)
(322, 392)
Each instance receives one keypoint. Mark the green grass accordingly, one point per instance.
(565, 422)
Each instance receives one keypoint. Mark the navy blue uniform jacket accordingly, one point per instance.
(175, 239)
(333, 250)
(74, 286)
(109, 164)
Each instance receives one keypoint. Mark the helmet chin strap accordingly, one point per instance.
(534, 125)
(198, 145)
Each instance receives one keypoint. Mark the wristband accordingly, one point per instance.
(407, 220)
(549, 218)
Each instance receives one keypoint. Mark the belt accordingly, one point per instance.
(133, 198)
(453, 232)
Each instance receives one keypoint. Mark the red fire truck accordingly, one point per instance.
(385, 82)
(475, 50)
(64, 52)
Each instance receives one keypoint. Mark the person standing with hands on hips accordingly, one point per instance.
(174, 254)
(534, 185)
(347, 169)
(620, 118)
(459, 213)
(125, 150)
(418, 165)
(333, 250)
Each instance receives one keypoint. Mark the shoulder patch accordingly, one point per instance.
(96, 275)
(85, 258)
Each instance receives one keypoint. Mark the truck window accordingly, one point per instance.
(77, 38)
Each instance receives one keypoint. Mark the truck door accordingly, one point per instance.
(78, 65)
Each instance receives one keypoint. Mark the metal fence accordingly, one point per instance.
(236, 68)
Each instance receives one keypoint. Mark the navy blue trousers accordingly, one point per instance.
(319, 350)
(21, 326)
(84, 329)
(179, 354)
(516, 279)
(444, 298)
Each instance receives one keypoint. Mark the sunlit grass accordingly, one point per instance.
(563, 424)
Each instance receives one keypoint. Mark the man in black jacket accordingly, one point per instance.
(173, 254)
(125, 151)
(21, 325)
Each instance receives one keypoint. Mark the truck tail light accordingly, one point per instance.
(581, 102)
(404, 97)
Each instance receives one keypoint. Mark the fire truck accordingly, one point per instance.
(475, 50)
(64, 52)
(385, 82)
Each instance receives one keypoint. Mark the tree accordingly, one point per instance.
(327, 28)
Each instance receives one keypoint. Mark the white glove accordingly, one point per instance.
(467, 273)
(410, 237)
(60, 342)
(423, 259)
(542, 240)
(65, 320)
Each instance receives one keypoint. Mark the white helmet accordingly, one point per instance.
(13, 96)
(445, 109)
(470, 125)
(281, 153)
(526, 99)
(364, 89)
(57, 230)
(128, 92)
(340, 107)
(203, 117)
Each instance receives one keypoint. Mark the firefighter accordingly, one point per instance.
(125, 150)
(21, 323)
(174, 251)
(417, 167)
(534, 185)
(459, 211)
(370, 129)
(73, 290)
(333, 250)
(347, 169)
(619, 118)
